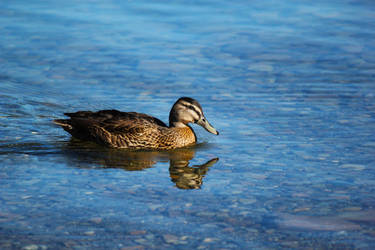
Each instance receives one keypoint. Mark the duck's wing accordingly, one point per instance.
(115, 117)
(112, 127)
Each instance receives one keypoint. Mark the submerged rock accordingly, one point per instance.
(315, 223)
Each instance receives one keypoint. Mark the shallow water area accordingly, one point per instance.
(288, 84)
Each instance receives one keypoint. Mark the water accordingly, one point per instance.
(289, 85)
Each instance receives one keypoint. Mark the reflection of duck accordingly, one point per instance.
(183, 175)
(187, 177)
(117, 129)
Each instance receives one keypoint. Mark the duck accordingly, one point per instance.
(132, 130)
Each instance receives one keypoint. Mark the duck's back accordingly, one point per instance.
(114, 128)
(114, 116)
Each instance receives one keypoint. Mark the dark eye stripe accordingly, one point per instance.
(193, 108)
(196, 111)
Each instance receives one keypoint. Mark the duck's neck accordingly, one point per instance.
(184, 134)
(175, 124)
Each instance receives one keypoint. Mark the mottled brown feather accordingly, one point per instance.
(117, 129)
(133, 130)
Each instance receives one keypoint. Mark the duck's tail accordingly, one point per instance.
(65, 123)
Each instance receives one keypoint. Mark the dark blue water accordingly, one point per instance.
(290, 85)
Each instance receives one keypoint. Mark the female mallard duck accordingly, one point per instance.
(133, 130)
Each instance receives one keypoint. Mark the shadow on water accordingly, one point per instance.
(181, 173)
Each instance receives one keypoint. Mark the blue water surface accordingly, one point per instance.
(289, 84)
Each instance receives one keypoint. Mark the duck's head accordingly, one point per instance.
(187, 110)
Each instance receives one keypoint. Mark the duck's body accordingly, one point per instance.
(133, 130)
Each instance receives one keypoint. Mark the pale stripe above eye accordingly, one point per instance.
(191, 107)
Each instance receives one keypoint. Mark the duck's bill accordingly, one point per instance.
(205, 124)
